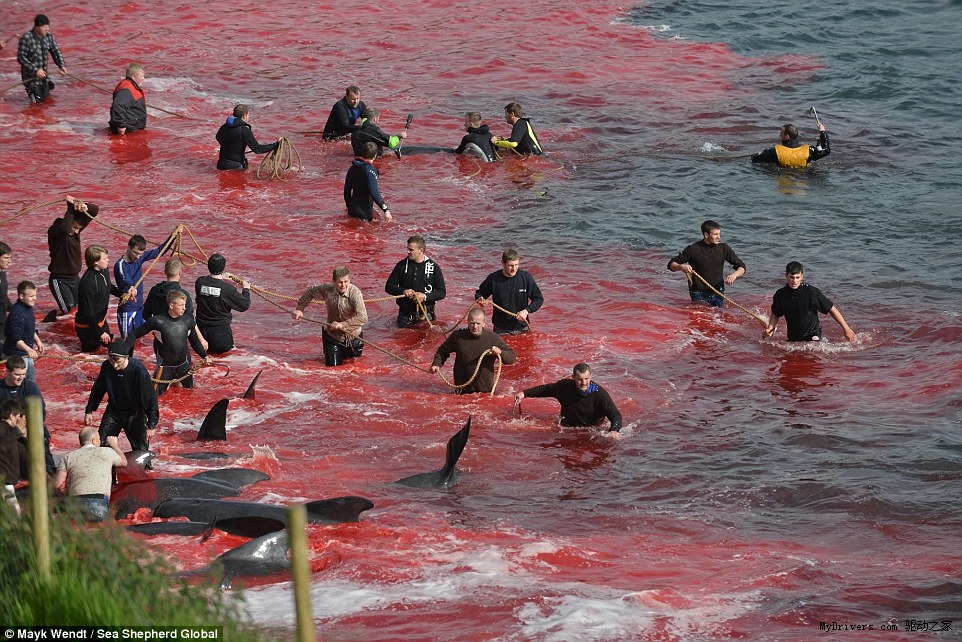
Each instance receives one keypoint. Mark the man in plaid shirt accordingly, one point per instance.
(32, 56)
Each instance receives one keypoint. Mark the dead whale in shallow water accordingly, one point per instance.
(447, 476)
(325, 511)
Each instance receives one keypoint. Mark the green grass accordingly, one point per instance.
(100, 576)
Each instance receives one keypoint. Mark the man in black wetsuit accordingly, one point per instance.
(172, 331)
(583, 403)
(707, 257)
(791, 153)
(800, 304)
(344, 114)
(235, 136)
(420, 280)
(523, 140)
(369, 131)
(360, 186)
(478, 135)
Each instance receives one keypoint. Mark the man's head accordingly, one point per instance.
(118, 354)
(80, 219)
(11, 411)
(6, 254)
(510, 261)
(353, 95)
(472, 119)
(373, 114)
(416, 248)
(581, 375)
(711, 232)
(216, 264)
(173, 269)
(16, 370)
(41, 25)
(27, 293)
(513, 112)
(89, 435)
(368, 150)
(794, 273)
(788, 132)
(341, 279)
(135, 247)
(135, 72)
(476, 320)
(176, 303)
(96, 258)
(242, 111)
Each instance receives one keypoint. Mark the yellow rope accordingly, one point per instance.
(279, 160)
(31, 208)
(761, 320)
(477, 369)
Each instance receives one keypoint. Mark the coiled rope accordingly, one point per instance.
(279, 160)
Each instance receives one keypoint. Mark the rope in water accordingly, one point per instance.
(279, 160)
(107, 91)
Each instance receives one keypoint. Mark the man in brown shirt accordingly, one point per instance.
(346, 315)
(468, 346)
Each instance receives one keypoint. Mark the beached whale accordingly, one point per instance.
(244, 527)
(262, 557)
(448, 475)
(325, 511)
(209, 484)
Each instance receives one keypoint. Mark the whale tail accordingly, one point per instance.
(447, 476)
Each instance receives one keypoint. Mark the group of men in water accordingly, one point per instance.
(416, 281)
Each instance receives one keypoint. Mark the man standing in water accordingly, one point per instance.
(32, 53)
(512, 289)
(344, 114)
(791, 153)
(800, 304)
(235, 136)
(346, 315)
(420, 280)
(469, 346)
(583, 402)
(707, 258)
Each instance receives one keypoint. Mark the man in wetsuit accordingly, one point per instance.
(707, 257)
(344, 114)
(478, 135)
(172, 331)
(583, 402)
(235, 136)
(360, 186)
(800, 304)
(420, 280)
(791, 153)
(523, 140)
(370, 132)
(512, 289)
